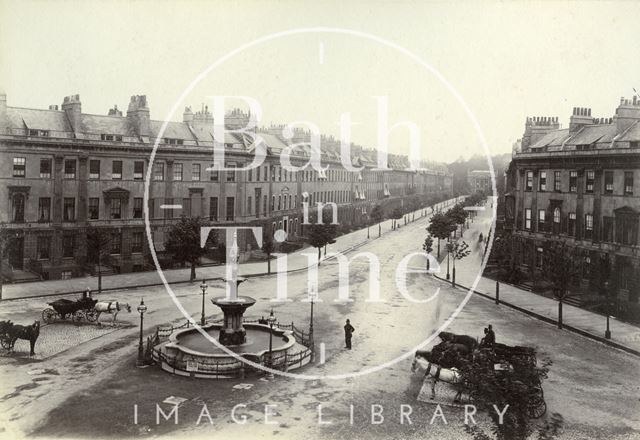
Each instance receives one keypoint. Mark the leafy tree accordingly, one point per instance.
(268, 246)
(183, 242)
(427, 246)
(458, 214)
(560, 267)
(440, 227)
(502, 254)
(377, 215)
(457, 250)
(320, 235)
(98, 249)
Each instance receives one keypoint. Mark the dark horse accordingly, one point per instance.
(27, 332)
(465, 340)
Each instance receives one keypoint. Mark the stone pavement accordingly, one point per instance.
(623, 335)
(295, 261)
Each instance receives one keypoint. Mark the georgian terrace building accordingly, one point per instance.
(63, 170)
(580, 185)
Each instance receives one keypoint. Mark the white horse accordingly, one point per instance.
(439, 374)
(111, 307)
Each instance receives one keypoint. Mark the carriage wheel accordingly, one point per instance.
(537, 405)
(91, 315)
(78, 316)
(5, 342)
(49, 315)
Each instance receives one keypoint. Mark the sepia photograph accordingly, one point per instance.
(386, 219)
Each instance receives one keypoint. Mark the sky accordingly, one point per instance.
(491, 62)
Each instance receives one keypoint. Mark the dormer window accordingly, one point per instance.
(111, 137)
(172, 141)
(40, 133)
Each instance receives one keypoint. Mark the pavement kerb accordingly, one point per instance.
(549, 320)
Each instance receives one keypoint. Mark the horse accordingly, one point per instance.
(111, 307)
(438, 373)
(468, 341)
(27, 332)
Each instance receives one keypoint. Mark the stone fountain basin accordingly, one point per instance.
(189, 353)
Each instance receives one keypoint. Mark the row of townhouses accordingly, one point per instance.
(63, 170)
(580, 185)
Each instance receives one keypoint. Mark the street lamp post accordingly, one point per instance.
(141, 309)
(607, 332)
(272, 320)
(448, 252)
(204, 287)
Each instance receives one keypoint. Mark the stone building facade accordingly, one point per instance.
(63, 170)
(580, 185)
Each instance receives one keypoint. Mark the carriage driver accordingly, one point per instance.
(489, 337)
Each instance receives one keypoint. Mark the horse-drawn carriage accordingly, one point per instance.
(10, 333)
(79, 310)
(449, 360)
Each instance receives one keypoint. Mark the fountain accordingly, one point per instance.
(189, 353)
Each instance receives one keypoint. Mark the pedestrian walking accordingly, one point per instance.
(490, 338)
(348, 331)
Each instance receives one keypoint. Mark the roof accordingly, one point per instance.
(632, 134)
(591, 134)
(552, 139)
(100, 124)
(53, 120)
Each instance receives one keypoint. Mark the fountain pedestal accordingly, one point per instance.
(232, 331)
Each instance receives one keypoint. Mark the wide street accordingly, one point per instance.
(91, 387)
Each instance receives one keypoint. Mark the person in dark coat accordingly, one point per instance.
(348, 331)
(490, 338)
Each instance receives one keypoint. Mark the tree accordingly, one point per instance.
(440, 227)
(320, 235)
(458, 214)
(183, 242)
(98, 249)
(377, 215)
(502, 255)
(268, 246)
(396, 215)
(427, 246)
(560, 267)
(457, 250)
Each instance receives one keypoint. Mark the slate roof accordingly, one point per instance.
(53, 120)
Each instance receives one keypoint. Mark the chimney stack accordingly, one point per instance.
(187, 116)
(138, 115)
(115, 111)
(627, 113)
(581, 116)
(73, 108)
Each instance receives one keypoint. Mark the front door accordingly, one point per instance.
(16, 252)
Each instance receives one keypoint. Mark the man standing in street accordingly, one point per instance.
(348, 331)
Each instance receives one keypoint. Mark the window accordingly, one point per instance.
(69, 212)
(116, 170)
(136, 242)
(539, 257)
(116, 242)
(45, 168)
(556, 220)
(608, 182)
(588, 226)
(571, 224)
(250, 174)
(66, 274)
(527, 219)
(44, 209)
(557, 183)
(542, 181)
(264, 206)
(19, 166)
(213, 208)
(94, 169)
(541, 217)
(573, 181)
(68, 245)
(258, 174)
(607, 229)
(528, 181)
(273, 203)
(627, 229)
(177, 171)
(158, 171)
(628, 182)
(249, 203)
(42, 133)
(195, 171)
(43, 247)
(279, 202)
(138, 170)
(94, 208)
(137, 207)
(115, 208)
(70, 169)
(230, 208)
(17, 208)
(214, 175)
(231, 175)
(591, 177)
